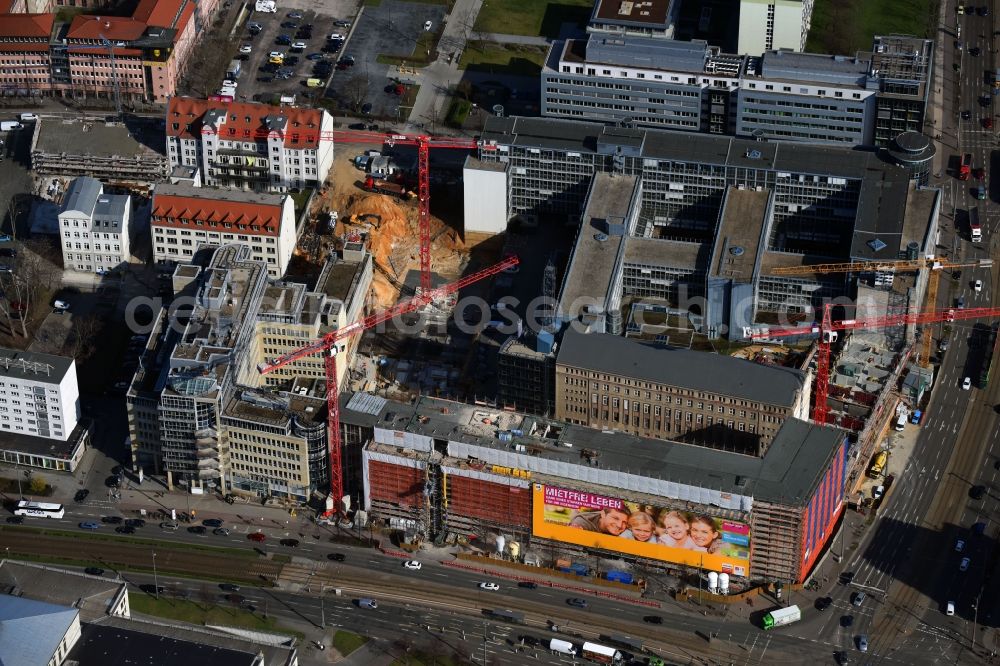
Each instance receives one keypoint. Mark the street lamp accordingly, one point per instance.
(156, 583)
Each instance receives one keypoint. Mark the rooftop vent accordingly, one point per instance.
(754, 154)
(736, 251)
(876, 245)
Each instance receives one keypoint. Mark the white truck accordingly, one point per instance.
(602, 654)
(562, 647)
(266, 6)
(782, 616)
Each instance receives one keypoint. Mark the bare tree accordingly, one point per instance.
(206, 595)
(33, 277)
(356, 90)
(84, 336)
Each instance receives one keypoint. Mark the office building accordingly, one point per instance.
(185, 217)
(774, 24)
(250, 146)
(612, 383)
(438, 467)
(199, 410)
(664, 222)
(862, 100)
(134, 58)
(94, 227)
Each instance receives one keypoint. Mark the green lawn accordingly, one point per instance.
(195, 612)
(503, 59)
(458, 112)
(345, 642)
(531, 17)
(847, 26)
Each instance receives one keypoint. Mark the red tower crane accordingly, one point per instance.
(423, 143)
(828, 329)
(328, 346)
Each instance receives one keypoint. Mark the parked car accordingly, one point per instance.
(823, 603)
(977, 492)
(294, 15)
(81, 495)
(959, 546)
(342, 23)
(859, 599)
(170, 526)
(246, 48)
(220, 531)
(428, 25)
(964, 564)
(967, 383)
(977, 285)
(212, 522)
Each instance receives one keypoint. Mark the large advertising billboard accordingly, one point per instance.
(657, 532)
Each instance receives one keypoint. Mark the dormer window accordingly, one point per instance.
(248, 119)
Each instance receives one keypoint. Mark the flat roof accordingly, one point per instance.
(638, 12)
(595, 254)
(682, 146)
(33, 366)
(679, 255)
(218, 194)
(698, 371)
(118, 646)
(879, 223)
(90, 138)
(93, 596)
(789, 471)
(738, 239)
(472, 162)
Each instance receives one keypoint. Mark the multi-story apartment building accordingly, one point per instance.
(774, 24)
(184, 217)
(250, 146)
(199, 410)
(39, 395)
(94, 227)
(863, 100)
(149, 51)
(613, 383)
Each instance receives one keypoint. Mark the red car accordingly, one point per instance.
(988, 123)
(259, 537)
(980, 174)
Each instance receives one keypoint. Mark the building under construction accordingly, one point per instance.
(448, 470)
(108, 151)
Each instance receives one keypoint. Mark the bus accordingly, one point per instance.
(39, 509)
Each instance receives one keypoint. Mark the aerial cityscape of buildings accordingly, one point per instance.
(668, 309)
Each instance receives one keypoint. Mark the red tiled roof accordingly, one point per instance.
(244, 121)
(26, 25)
(161, 13)
(243, 217)
(115, 28)
(22, 47)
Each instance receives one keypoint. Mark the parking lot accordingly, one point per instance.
(390, 28)
(260, 82)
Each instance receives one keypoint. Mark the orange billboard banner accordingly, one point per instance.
(656, 532)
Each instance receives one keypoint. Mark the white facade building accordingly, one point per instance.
(485, 196)
(184, 217)
(767, 25)
(93, 227)
(38, 394)
(250, 146)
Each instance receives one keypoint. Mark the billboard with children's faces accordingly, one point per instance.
(657, 532)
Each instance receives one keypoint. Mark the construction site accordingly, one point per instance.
(428, 354)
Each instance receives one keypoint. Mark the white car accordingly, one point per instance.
(60, 305)
(967, 383)
(964, 564)
(412, 565)
(275, 54)
(427, 25)
(336, 37)
(489, 586)
(978, 286)
(229, 83)
(300, 46)
(959, 546)
(246, 48)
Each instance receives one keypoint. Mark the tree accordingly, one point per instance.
(37, 485)
(206, 595)
(356, 90)
(84, 336)
(34, 277)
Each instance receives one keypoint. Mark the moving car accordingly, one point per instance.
(427, 25)
(653, 619)
(94, 571)
(577, 601)
(125, 529)
(823, 603)
(949, 608)
(170, 526)
(412, 565)
(290, 543)
(336, 557)
(89, 525)
(966, 383)
(367, 603)
(229, 587)
(859, 598)
(489, 586)
(978, 285)
(111, 520)
(197, 529)
(259, 537)
(863, 643)
(964, 564)
(966, 115)
(81, 495)
(527, 584)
